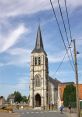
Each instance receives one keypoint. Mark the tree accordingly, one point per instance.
(24, 99)
(18, 97)
(69, 95)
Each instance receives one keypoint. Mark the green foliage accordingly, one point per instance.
(24, 99)
(18, 97)
(69, 96)
(81, 104)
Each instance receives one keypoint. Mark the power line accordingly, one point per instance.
(68, 20)
(65, 30)
(61, 33)
(60, 63)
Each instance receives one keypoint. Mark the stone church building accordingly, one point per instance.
(43, 88)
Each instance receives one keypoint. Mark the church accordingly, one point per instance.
(43, 88)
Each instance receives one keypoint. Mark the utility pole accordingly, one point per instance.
(76, 77)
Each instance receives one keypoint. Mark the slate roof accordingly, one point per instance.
(39, 43)
(55, 82)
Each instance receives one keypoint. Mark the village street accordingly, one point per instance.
(36, 113)
(40, 113)
(32, 113)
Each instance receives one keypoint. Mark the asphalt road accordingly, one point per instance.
(5, 114)
(32, 113)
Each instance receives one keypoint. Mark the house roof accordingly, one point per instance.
(39, 43)
(55, 82)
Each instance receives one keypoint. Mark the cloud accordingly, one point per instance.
(15, 7)
(18, 51)
(17, 57)
(21, 57)
(1, 64)
(9, 40)
(21, 7)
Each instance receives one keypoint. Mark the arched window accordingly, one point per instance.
(37, 81)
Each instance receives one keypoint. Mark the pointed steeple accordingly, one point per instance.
(39, 43)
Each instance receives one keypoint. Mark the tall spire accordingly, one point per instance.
(39, 43)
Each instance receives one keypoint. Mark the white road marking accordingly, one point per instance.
(32, 112)
(22, 113)
(27, 112)
(41, 112)
(37, 112)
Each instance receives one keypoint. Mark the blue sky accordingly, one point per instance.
(19, 21)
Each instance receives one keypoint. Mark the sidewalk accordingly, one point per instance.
(71, 114)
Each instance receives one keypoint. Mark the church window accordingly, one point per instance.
(39, 61)
(37, 81)
(35, 60)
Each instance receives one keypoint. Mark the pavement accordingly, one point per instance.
(71, 114)
(37, 113)
(40, 113)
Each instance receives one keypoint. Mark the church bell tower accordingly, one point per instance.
(39, 74)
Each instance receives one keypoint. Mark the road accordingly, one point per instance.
(32, 113)
(5, 114)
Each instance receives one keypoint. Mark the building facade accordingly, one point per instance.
(2, 100)
(43, 89)
(11, 99)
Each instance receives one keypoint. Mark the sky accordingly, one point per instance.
(19, 20)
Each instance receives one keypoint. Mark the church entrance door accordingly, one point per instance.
(38, 100)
